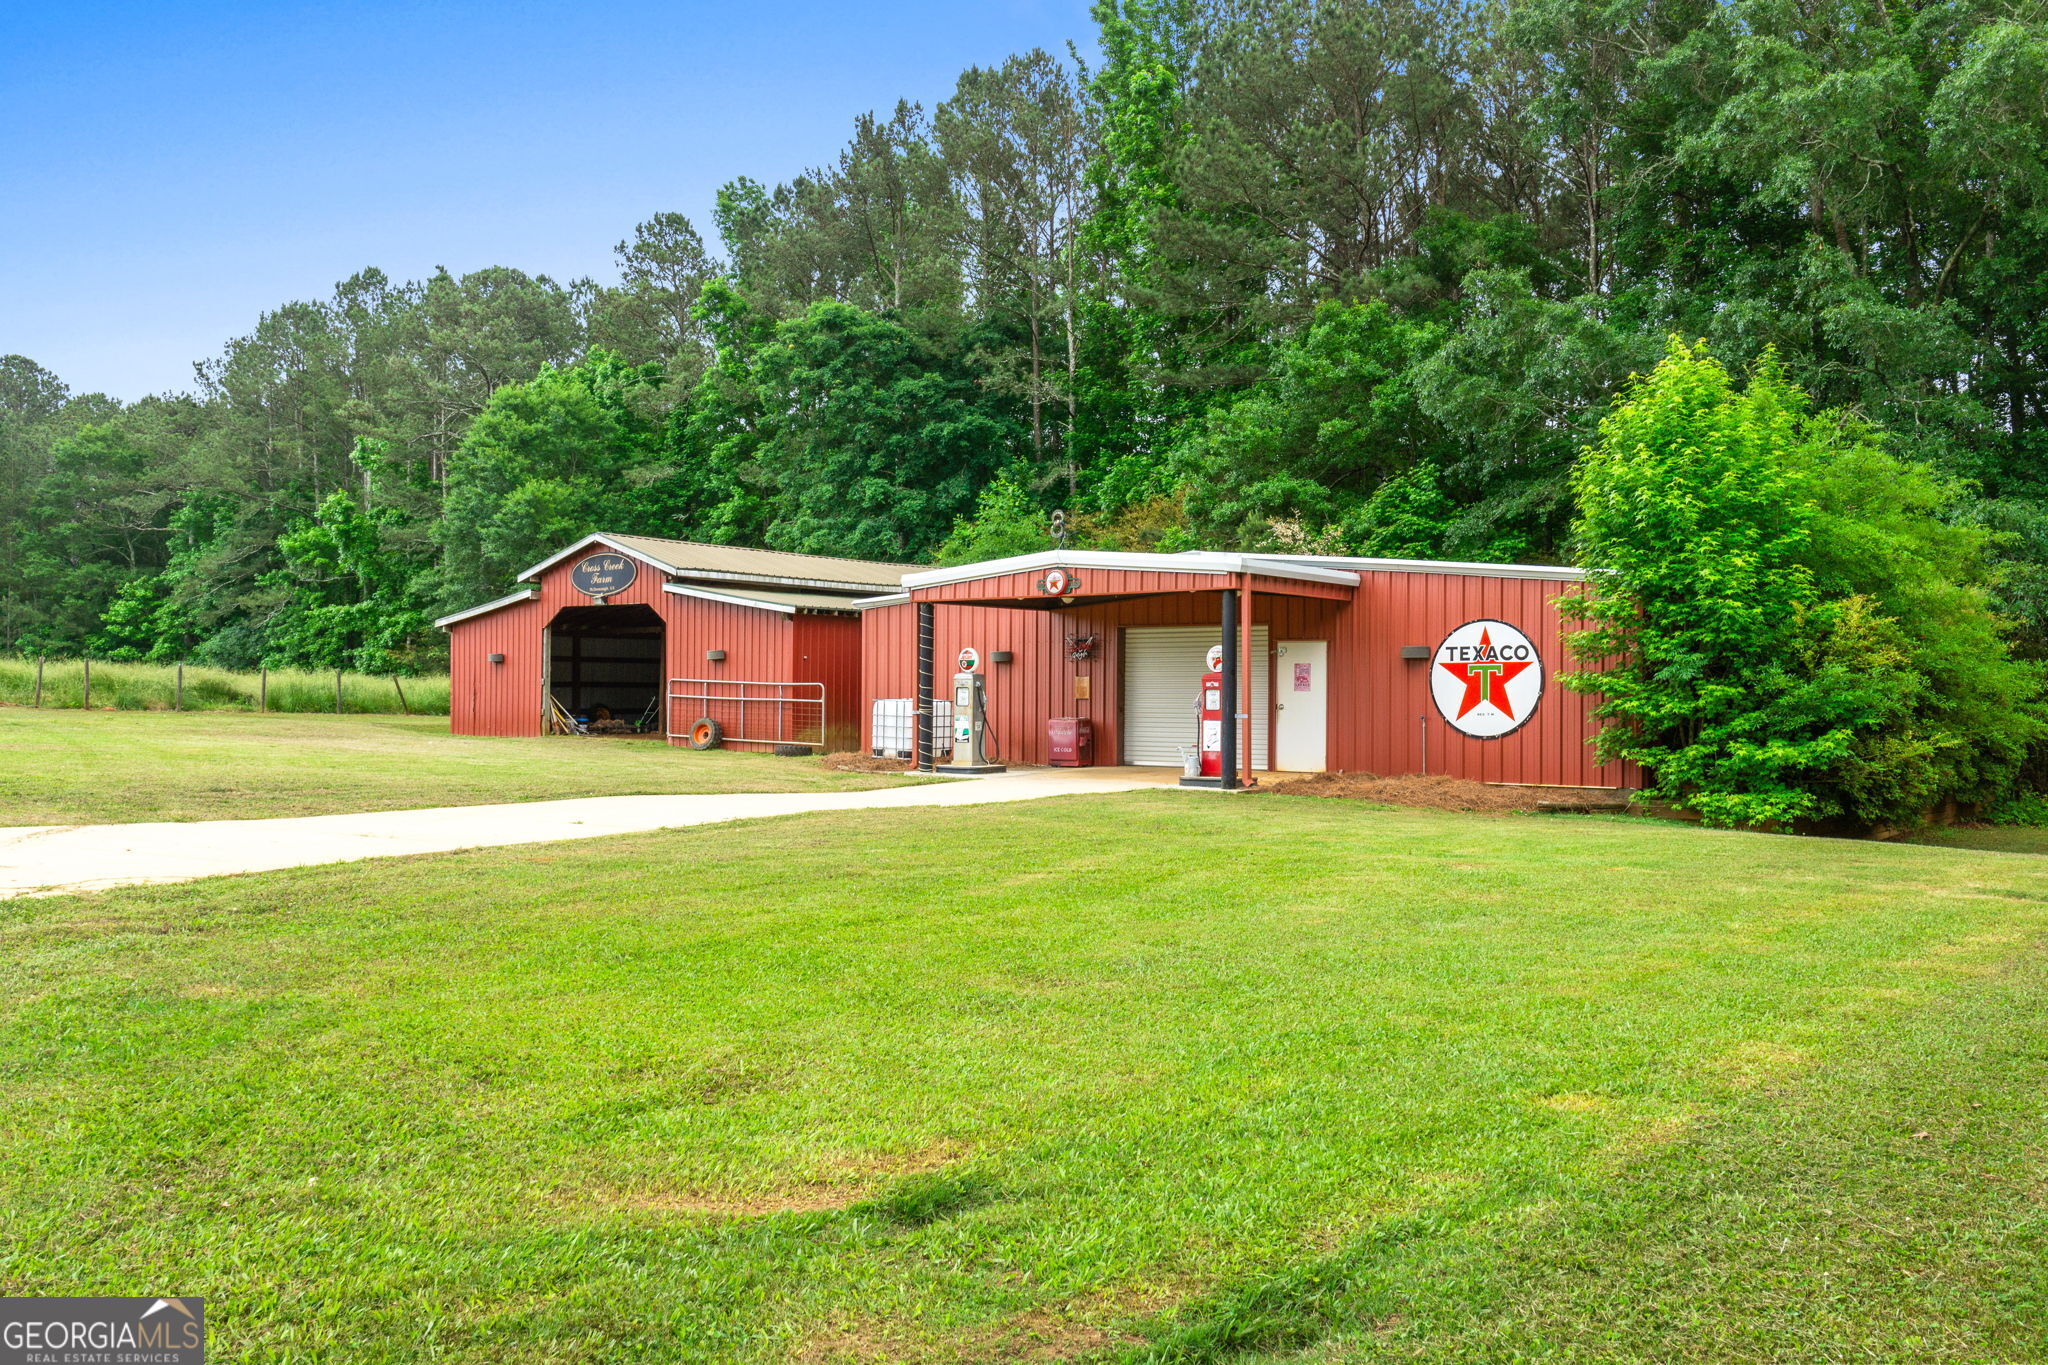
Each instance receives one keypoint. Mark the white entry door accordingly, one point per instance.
(1301, 697)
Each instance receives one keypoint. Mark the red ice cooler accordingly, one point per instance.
(1072, 741)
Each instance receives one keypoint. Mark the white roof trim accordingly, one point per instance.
(893, 599)
(523, 595)
(1195, 561)
(586, 543)
(1453, 567)
(730, 599)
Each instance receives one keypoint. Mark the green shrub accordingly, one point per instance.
(1786, 621)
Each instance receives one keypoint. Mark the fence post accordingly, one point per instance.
(262, 690)
(85, 703)
(407, 710)
(179, 704)
(39, 682)
(337, 691)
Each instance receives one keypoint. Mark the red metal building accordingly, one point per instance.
(639, 633)
(1346, 664)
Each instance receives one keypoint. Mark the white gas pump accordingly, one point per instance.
(972, 745)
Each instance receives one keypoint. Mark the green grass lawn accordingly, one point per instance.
(1991, 838)
(90, 767)
(1158, 1077)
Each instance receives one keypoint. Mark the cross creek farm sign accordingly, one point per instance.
(601, 576)
(1486, 678)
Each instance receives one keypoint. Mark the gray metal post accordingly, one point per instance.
(925, 761)
(262, 690)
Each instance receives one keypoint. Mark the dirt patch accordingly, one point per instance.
(1084, 1327)
(1441, 793)
(866, 763)
(849, 1181)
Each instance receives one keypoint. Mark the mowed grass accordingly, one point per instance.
(93, 767)
(1159, 1077)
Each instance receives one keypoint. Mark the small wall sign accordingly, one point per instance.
(970, 659)
(1059, 583)
(604, 575)
(1486, 679)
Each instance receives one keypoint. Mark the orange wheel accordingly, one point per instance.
(706, 734)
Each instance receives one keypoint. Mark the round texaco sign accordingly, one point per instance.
(1486, 678)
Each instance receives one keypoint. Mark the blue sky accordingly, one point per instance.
(174, 169)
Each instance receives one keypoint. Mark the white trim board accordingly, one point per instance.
(523, 595)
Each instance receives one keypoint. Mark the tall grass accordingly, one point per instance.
(154, 687)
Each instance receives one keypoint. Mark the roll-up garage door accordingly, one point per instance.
(1163, 667)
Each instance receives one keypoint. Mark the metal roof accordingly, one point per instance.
(1194, 561)
(739, 564)
(1457, 567)
(789, 602)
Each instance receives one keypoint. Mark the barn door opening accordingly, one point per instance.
(605, 670)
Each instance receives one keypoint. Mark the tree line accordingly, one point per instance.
(1311, 275)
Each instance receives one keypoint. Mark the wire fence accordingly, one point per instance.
(98, 684)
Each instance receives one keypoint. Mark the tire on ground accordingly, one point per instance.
(706, 733)
(793, 751)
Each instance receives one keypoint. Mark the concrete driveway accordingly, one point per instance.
(48, 859)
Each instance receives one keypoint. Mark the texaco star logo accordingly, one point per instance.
(1486, 679)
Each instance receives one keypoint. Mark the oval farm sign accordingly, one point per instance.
(1486, 678)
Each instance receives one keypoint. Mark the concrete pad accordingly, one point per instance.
(52, 859)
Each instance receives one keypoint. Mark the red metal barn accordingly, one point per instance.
(1346, 664)
(638, 633)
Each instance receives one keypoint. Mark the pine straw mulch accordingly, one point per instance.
(1441, 793)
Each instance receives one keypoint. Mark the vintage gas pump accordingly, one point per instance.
(973, 746)
(1209, 714)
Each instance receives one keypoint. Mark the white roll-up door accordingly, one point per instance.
(1163, 668)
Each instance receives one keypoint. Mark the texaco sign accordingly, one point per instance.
(1486, 679)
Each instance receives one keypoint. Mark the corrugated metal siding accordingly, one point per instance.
(497, 699)
(1376, 699)
(506, 699)
(1163, 668)
(1380, 704)
(1095, 582)
(827, 650)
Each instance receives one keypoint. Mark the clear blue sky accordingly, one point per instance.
(174, 169)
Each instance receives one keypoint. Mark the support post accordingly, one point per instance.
(337, 691)
(1248, 660)
(1230, 671)
(925, 761)
(39, 681)
(263, 690)
(178, 704)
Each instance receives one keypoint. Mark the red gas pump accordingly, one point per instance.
(1209, 710)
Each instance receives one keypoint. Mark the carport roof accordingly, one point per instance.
(1193, 562)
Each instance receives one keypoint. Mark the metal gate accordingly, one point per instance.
(1163, 667)
(749, 712)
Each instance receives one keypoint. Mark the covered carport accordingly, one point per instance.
(1072, 633)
